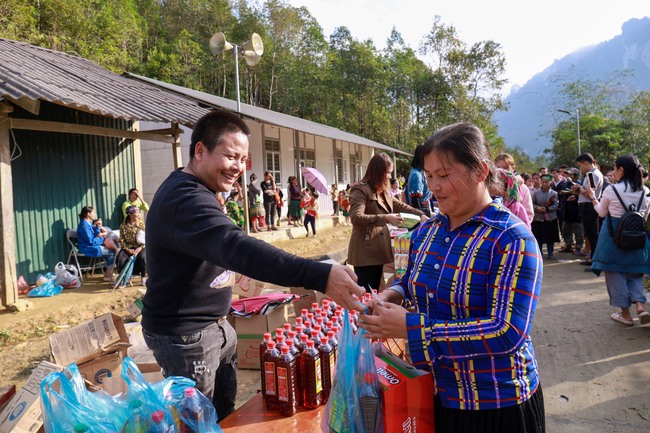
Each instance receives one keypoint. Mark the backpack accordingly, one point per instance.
(630, 233)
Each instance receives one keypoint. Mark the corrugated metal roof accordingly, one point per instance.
(35, 73)
(269, 116)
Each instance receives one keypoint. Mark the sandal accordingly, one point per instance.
(644, 317)
(617, 317)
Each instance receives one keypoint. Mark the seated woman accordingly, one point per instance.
(130, 247)
(90, 240)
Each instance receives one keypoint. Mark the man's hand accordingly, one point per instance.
(341, 285)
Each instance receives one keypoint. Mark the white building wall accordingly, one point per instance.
(158, 161)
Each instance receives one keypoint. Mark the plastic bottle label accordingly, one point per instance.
(283, 386)
(319, 378)
(332, 362)
(269, 375)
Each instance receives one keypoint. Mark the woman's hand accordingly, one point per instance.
(387, 321)
(394, 218)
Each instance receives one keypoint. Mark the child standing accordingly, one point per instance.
(344, 204)
(334, 195)
(311, 211)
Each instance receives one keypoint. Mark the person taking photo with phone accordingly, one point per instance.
(588, 215)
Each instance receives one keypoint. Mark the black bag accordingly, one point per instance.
(630, 233)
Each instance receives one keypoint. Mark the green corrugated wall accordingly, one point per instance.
(55, 175)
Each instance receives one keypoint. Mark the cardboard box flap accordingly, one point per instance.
(89, 340)
(23, 412)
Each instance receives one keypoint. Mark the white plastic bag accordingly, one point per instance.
(139, 237)
(67, 276)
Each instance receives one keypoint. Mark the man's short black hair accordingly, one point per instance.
(210, 128)
(585, 157)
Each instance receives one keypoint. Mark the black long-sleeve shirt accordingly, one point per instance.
(190, 241)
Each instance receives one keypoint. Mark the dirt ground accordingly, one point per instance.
(595, 373)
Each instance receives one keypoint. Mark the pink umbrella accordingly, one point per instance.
(315, 178)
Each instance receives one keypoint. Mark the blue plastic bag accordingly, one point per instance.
(64, 411)
(47, 288)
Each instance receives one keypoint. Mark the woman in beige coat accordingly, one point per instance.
(372, 207)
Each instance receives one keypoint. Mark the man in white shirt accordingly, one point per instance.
(590, 222)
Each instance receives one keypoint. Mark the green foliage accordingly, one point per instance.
(390, 96)
(613, 121)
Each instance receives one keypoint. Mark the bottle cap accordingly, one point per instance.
(267, 336)
(317, 328)
(304, 337)
(314, 332)
(369, 377)
(190, 391)
(158, 416)
(310, 343)
(330, 334)
(285, 350)
(290, 343)
(314, 305)
(299, 329)
(279, 340)
(292, 334)
(323, 340)
(287, 326)
(271, 344)
(304, 311)
(298, 321)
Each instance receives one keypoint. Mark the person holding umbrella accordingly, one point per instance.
(372, 208)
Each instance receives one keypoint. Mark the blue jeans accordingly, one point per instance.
(624, 288)
(207, 357)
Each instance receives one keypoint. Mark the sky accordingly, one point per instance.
(532, 34)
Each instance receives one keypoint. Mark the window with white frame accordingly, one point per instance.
(272, 157)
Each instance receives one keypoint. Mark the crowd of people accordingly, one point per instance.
(467, 300)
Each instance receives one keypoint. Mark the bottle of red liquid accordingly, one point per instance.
(293, 350)
(298, 321)
(327, 367)
(312, 383)
(263, 347)
(303, 342)
(315, 336)
(158, 423)
(287, 371)
(303, 315)
(334, 342)
(190, 412)
(287, 328)
(306, 328)
(293, 335)
(270, 383)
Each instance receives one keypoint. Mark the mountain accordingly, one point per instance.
(533, 107)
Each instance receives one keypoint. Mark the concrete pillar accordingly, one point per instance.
(8, 277)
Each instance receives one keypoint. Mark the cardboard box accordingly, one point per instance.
(89, 340)
(250, 332)
(247, 287)
(97, 370)
(408, 395)
(114, 384)
(135, 308)
(305, 301)
(23, 412)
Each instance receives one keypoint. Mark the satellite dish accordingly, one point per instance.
(253, 50)
(219, 44)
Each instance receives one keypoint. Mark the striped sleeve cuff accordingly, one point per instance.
(418, 334)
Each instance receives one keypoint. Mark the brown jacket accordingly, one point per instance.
(370, 239)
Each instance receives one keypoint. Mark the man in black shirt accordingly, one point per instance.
(193, 250)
